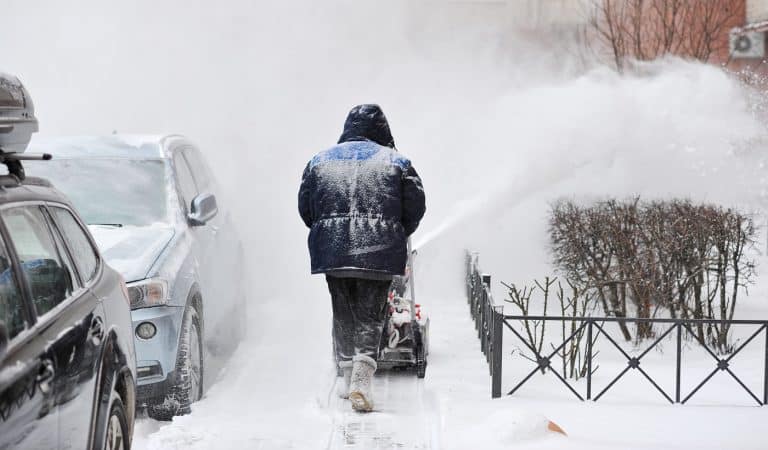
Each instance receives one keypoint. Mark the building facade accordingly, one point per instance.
(739, 42)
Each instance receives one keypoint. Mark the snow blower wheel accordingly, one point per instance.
(421, 362)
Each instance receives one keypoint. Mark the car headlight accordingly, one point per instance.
(149, 292)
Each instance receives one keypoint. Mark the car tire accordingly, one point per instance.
(187, 387)
(117, 434)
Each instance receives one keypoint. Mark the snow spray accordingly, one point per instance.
(461, 211)
(504, 196)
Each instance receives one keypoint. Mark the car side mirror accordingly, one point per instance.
(3, 339)
(204, 208)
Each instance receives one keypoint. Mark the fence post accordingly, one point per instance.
(475, 295)
(468, 280)
(496, 345)
(589, 359)
(679, 360)
(482, 333)
(486, 282)
(765, 373)
(477, 298)
(487, 324)
(471, 283)
(476, 302)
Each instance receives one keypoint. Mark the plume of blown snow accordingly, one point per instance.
(497, 126)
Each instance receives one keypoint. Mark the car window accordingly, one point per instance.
(85, 256)
(50, 280)
(61, 250)
(11, 301)
(110, 191)
(199, 169)
(185, 179)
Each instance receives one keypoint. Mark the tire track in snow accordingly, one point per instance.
(405, 416)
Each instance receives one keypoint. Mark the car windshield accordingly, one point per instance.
(113, 192)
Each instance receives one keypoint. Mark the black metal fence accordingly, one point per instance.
(490, 322)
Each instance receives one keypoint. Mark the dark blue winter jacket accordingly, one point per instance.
(361, 201)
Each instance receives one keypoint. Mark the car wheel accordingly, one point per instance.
(188, 383)
(117, 434)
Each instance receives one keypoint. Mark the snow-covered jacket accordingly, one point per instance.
(361, 201)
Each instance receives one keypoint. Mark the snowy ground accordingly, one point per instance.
(273, 397)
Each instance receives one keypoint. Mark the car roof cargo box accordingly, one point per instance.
(17, 115)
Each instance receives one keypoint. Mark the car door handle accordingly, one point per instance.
(45, 376)
(96, 332)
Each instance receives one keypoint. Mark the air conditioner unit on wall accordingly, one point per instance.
(748, 45)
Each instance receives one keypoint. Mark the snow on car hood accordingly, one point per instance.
(131, 250)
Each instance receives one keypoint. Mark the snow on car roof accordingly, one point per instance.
(111, 146)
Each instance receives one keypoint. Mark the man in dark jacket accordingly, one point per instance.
(361, 200)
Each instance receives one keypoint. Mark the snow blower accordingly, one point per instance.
(405, 340)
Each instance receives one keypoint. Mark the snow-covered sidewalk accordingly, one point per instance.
(271, 394)
(405, 416)
(277, 392)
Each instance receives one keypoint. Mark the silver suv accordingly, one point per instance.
(151, 204)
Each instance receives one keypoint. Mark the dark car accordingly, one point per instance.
(153, 206)
(67, 363)
(67, 359)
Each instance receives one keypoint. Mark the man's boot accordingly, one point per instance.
(346, 369)
(360, 390)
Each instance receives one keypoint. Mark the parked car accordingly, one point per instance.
(152, 206)
(67, 359)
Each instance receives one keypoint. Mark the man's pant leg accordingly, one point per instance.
(342, 290)
(369, 311)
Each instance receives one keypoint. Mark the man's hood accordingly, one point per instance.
(367, 122)
(132, 250)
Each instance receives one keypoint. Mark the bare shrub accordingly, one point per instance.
(572, 302)
(689, 260)
(644, 30)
